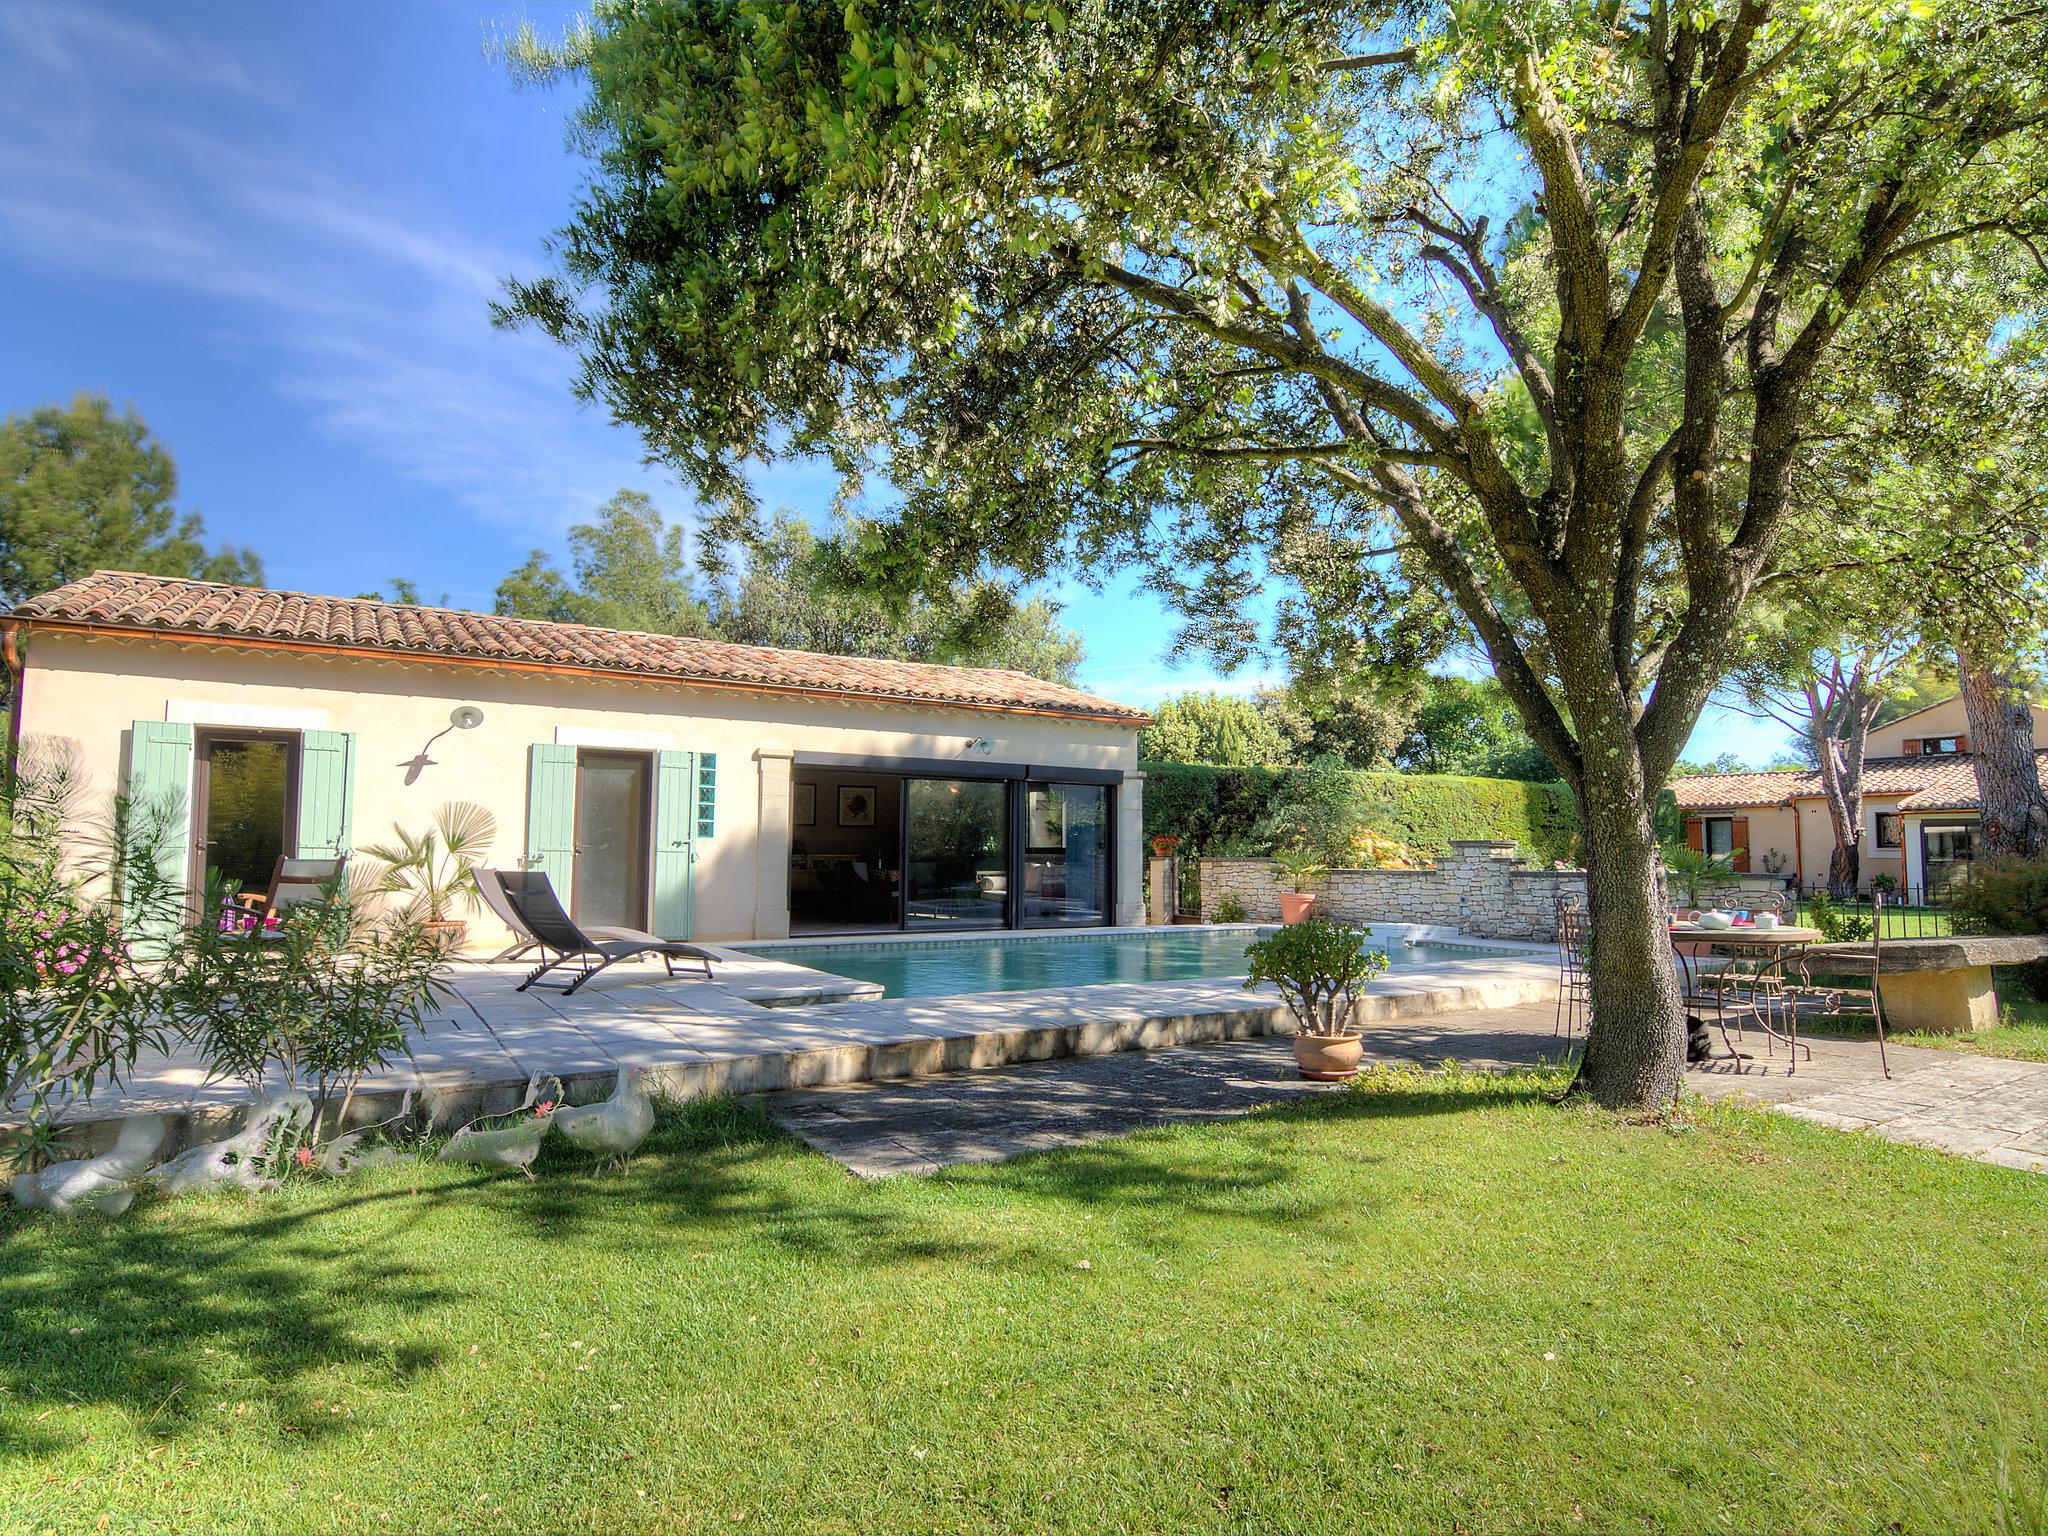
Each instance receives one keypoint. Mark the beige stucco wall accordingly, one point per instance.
(90, 690)
(1947, 718)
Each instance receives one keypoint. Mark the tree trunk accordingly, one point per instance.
(1635, 1044)
(2015, 811)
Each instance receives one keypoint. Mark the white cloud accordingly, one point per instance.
(79, 41)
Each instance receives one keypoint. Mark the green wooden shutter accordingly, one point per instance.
(326, 793)
(551, 814)
(159, 792)
(675, 837)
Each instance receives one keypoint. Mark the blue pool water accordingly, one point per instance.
(950, 968)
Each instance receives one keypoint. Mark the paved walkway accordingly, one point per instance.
(1973, 1106)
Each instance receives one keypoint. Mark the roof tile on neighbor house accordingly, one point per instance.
(1924, 783)
(122, 601)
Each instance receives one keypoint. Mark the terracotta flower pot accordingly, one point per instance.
(1328, 1058)
(1296, 905)
(447, 933)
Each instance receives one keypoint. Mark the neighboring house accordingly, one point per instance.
(701, 789)
(1919, 807)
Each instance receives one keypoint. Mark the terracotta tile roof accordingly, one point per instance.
(1925, 783)
(160, 605)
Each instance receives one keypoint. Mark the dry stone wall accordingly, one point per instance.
(1479, 888)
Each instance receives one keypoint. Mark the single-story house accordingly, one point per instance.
(1920, 807)
(700, 789)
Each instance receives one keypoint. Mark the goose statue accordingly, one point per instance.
(612, 1130)
(208, 1167)
(508, 1146)
(100, 1183)
(345, 1154)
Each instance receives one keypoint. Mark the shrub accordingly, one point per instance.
(2007, 896)
(1836, 925)
(327, 998)
(1319, 966)
(75, 1008)
(1222, 812)
(1230, 909)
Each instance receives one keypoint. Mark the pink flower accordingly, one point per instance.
(305, 1157)
(543, 1109)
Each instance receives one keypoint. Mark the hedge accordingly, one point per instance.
(1214, 810)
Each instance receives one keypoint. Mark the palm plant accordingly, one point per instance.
(433, 868)
(1692, 871)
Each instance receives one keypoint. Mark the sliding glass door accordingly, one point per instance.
(1066, 855)
(957, 838)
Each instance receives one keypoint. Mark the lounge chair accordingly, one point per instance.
(531, 896)
(490, 884)
(293, 883)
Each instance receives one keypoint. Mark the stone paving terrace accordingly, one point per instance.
(767, 1025)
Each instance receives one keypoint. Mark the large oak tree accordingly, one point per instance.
(1515, 309)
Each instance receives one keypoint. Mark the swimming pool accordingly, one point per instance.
(951, 967)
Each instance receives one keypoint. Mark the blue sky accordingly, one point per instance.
(274, 229)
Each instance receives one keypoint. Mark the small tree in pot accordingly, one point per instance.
(1299, 865)
(431, 870)
(1319, 967)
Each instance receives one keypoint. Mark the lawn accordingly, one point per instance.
(1438, 1305)
(2021, 1033)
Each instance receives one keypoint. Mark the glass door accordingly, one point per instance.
(613, 850)
(1945, 853)
(957, 837)
(1066, 855)
(245, 796)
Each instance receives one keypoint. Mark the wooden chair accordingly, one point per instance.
(293, 883)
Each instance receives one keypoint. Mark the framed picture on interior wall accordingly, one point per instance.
(806, 814)
(856, 805)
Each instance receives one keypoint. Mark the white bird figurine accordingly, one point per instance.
(207, 1167)
(339, 1157)
(511, 1146)
(99, 1183)
(614, 1129)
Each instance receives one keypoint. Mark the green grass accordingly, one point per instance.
(2021, 1033)
(1899, 922)
(1438, 1305)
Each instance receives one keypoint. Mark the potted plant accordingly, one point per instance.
(1164, 844)
(1298, 866)
(1319, 967)
(432, 869)
(1690, 871)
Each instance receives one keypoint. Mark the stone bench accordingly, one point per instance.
(1939, 986)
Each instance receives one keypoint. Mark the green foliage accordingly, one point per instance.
(1299, 867)
(790, 589)
(1838, 925)
(1217, 728)
(1319, 967)
(1362, 723)
(629, 574)
(75, 1007)
(432, 869)
(1692, 872)
(1469, 726)
(794, 589)
(327, 996)
(1224, 811)
(1230, 909)
(83, 488)
(2009, 896)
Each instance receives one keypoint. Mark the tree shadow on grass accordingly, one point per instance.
(158, 1312)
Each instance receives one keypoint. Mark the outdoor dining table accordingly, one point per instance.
(1691, 942)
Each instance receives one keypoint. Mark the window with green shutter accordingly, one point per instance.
(326, 793)
(674, 906)
(707, 791)
(551, 813)
(159, 790)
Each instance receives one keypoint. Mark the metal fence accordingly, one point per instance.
(1910, 912)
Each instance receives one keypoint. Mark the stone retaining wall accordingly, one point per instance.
(1480, 888)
